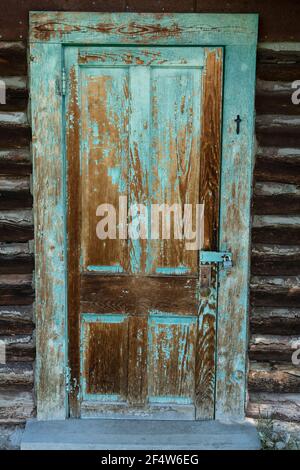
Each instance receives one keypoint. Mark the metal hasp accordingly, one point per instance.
(223, 257)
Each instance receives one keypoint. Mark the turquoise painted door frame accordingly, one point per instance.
(49, 33)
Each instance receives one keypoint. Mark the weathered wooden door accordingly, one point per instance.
(142, 123)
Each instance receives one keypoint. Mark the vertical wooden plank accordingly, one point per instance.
(175, 126)
(50, 254)
(236, 180)
(105, 357)
(137, 360)
(171, 358)
(210, 157)
(104, 161)
(139, 159)
(210, 168)
(73, 222)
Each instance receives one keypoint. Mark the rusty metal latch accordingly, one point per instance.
(222, 257)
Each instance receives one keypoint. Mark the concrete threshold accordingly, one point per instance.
(113, 434)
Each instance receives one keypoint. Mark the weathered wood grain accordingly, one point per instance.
(49, 216)
(275, 321)
(15, 162)
(276, 229)
(15, 193)
(138, 294)
(15, 405)
(279, 65)
(16, 289)
(275, 260)
(278, 378)
(13, 61)
(16, 258)
(278, 164)
(143, 28)
(284, 406)
(16, 225)
(276, 348)
(73, 230)
(16, 374)
(275, 291)
(19, 348)
(16, 320)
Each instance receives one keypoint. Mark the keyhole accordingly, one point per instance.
(238, 123)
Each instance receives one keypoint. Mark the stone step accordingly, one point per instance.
(97, 434)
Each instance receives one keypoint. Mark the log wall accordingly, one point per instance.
(274, 382)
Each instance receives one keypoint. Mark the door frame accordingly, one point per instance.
(49, 33)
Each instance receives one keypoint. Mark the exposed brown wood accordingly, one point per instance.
(15, 258)
(275, 321)
(15, 162)
(279, 166)
(272, 260)
(105, 367)
(283, 406)
(211, 146)
(266, 377)
(273, 348)
(16, 289)
(15, 193)
(73, 230)
(137, 360)
(15, 405)
(275, 292)
(138, 294)
(19, 348)
(13, 60)
(16, 320)
(278, 65)
(17, 374)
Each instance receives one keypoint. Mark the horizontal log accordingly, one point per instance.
(275, 98)
(276, 204)
(277, 124)
(266, 377)
(277, 164)
(282, 406)
(14, 137)
(15, 162)
(275, 291)
(16, 226)
(276, 229)
(15, 192)
(278, 65)
(13, 59)
(16, 94)
(16, 320)
(16, 405)
(275, 260)
(17, 374)
(16, 289)
(278, 139)
(265, 348)
(14, 118)
(16, 258)
(19, 348)
(275, 321)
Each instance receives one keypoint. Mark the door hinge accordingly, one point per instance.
(68, 379)
(63, 81)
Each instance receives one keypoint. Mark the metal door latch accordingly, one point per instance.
(222, 257)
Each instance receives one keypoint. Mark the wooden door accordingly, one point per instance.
(143, 124)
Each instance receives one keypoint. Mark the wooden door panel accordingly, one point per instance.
(144, 124)
(104, 164)
(104, 355)
(172, 358)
